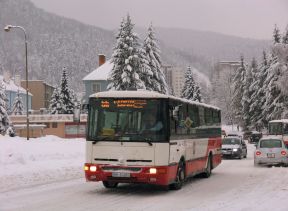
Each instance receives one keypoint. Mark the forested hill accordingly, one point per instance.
(56, 42)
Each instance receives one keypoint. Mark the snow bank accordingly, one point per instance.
(39, 160)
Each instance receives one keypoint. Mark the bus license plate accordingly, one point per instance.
(270, 155)
(120, 174)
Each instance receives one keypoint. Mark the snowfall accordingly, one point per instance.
(47, 174)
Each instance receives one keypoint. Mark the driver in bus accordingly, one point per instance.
(150, 123)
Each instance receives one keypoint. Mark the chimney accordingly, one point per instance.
(102, 59)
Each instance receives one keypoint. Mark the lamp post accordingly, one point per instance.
(7, 29)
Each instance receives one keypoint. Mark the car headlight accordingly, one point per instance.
(235, 150)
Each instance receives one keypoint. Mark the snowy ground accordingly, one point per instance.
(38, 161)
(47, 174)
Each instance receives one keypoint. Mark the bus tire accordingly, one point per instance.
(180, 177)
(109, 184)
(208, 169)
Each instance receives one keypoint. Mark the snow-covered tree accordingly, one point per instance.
(276, 35)
(246, 98)
(63, 98)
(258, 96)
(238, 90)
(4, 118)
(18, 108)
(157, 81)
(68, 100)
(190, 90)
(129, 59)
(285, 36)
(55, 106)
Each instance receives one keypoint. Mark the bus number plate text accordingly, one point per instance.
(120, 174)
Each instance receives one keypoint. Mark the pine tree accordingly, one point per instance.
(18, 108)
(157, 81)
(65, 95)
(255, 109)
(276, 35)
(130, 62)
(246, 99)
(238, 89)
(63, 99)
(190, 90)
(258, 97)
(285, 36)
(4, 118)
(55, 106)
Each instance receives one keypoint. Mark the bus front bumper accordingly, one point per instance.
(158, 175)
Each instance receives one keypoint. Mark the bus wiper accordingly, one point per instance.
(101, 139)
(148, 140)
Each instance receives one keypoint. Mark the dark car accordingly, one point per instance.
(234, 147)
(255, 137)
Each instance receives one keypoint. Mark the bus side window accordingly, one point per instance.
(285, 128)
(208, 116)
(194, 116)
(201, 116)
(216, 117)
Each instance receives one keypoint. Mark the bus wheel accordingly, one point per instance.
(109, 184)
(180, 177)
(208, 169)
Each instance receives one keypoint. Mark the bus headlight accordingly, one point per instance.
(152, 170)
(93, 168)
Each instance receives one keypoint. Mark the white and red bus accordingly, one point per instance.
(119, 150)
(279, 127)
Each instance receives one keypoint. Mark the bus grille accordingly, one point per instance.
(119, 168)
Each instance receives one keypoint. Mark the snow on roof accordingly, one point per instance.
(279, 120)
(101, 73)
(11, 86)
(144, 94)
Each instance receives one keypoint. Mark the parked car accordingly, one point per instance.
(270, 151)
(255, 137)
(234, 147)
(234, 134)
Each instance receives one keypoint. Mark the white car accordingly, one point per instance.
(270, 151)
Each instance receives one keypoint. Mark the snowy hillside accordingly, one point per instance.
(55, 42)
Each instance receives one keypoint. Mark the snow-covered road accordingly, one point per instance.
(234, 185)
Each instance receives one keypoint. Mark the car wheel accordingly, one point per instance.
(109, 184)
(180, 177)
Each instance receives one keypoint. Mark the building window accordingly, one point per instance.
(47, 125)
(54, 125)
(96, 87)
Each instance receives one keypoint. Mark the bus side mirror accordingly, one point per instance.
(85, 107)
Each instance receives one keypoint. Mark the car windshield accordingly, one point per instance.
(271, 143)
(127, 120)
(231, 141)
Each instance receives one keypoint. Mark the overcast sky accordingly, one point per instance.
(245, 18)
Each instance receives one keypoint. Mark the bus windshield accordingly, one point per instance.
(275, 128)
(142, 120)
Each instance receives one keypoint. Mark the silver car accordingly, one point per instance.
(270, 151)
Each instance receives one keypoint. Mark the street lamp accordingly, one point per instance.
(7, 29)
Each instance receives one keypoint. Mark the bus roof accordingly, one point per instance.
(279, 120)
(145, 94)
